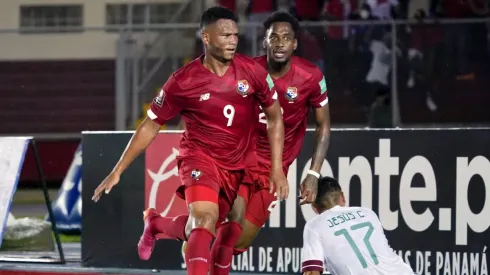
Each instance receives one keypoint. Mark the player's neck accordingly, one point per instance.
(214, 65)
(327, 206)
(278, 70)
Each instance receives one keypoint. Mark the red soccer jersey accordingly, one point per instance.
(303, 87)
(217, 110)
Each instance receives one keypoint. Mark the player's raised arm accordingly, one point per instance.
(143, 136)
(319, 101)
(163, 108)
(312, 257)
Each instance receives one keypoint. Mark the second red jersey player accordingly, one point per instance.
(299, 90)
(300, 86)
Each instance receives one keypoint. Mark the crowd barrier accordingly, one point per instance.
(429, 187)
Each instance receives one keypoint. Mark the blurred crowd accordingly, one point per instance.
(357, 58)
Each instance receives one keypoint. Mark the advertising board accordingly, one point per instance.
(429, 188)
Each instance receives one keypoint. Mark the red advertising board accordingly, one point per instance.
(162, 176)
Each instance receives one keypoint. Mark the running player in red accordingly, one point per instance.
(300, 86)
(216, 95)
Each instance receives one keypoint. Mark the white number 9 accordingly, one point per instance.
(229, 113)
(263, 117)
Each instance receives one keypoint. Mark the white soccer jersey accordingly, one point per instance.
(349, 240)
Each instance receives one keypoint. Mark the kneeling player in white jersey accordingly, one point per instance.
(349, 240)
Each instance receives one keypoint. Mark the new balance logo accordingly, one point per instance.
(204, 97)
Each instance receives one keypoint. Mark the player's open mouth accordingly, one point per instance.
(230, 50)
(279, 54)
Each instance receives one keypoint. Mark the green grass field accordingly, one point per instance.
(67, 238)
(70, 238)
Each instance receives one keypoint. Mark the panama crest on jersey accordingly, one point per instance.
(196, 174)
(291, 94)
(243, 87)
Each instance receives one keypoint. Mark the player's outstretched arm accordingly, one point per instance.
(143, 136)
(164, 107)
(275, 133)
(309, 186)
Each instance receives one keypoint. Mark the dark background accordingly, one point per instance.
(113, 226)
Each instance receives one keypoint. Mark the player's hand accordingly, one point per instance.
(279, 183)
(106, 186)
(309, 189)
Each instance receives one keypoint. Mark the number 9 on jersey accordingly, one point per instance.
(229, 113)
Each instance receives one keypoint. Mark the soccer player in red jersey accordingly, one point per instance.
(300, 86)
(216, 95)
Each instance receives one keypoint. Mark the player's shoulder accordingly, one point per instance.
(365, 211)
(188, 79)
(187, 70)
(314, 222)
(261, 60)
(355, 208)
(306, 68)
(246, 62)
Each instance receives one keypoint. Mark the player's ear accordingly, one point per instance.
(314, 209)
(205, 37)
(342, 199)
(295, 44)
(264, 42)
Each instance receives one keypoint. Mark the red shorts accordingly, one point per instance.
(260, 201)
(202, 180)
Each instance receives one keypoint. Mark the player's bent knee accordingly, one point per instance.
(249, 232)
(237, 213)
(244, 242)
(203, 214)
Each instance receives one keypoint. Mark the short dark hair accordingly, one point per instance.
(214, 14)
(327, 186)
(281, 16)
